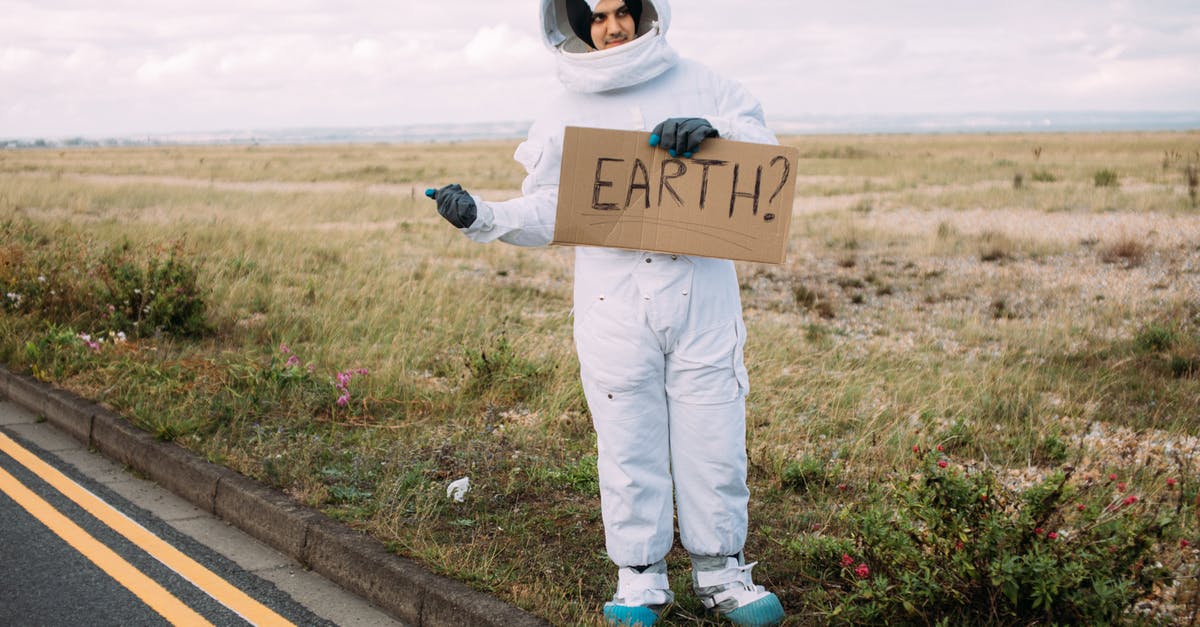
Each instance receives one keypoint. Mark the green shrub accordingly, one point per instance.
(952, 545)
(58, 352)
(580, 476)
(806, 474)
(68, 280)
(1154, 338)
(1106, 178)
(1044, 176)
(147, 296)
(1051, 450)
(502, 373)
(1182, 367)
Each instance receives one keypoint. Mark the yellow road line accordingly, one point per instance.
(146, 589)
(222, 591)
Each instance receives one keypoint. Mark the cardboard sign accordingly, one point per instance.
(733, 200)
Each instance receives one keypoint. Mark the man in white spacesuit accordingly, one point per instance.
(659, 336)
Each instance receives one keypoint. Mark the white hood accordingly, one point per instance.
(556, 29)
(582, 69)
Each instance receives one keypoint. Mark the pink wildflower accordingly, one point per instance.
(1080, 507)
(1112, 477)
(293, 361)
(1130, 500)
(283, 348)
(847, 561)
(1052, 535)
(942, 463)
(1183, 544)
(1121, 487)
(862, 571)
(1170, 482)
(343, 400)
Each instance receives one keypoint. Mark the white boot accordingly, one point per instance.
(724, 585)
(641, 596)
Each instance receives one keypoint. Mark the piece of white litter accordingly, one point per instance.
(458, 488)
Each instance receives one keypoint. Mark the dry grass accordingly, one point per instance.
(924, 300)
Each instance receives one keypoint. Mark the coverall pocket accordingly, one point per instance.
(616, 357)
(708, 366)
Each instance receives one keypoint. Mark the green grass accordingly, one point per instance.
(925, 301)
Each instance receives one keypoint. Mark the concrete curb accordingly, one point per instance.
(355, 561)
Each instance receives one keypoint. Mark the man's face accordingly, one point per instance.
(612, 24)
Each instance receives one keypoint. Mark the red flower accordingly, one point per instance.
(1130, 500)
(862, 571)
(847, 561)
(1170, 482)
(1121, 486)
(1052, 535)
(1039, 531)
(1183, 544)
(939, 448)
(917, 448)
(942, 463)
(1080, 507)
(1112, 477)
(983, 497)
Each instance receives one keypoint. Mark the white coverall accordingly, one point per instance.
(659, 336)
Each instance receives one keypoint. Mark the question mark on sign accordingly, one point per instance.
(787, 169)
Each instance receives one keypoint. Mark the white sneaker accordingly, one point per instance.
(641, 596)
(725, 586)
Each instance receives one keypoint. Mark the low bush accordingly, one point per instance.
(69, 280)
(951, 544)
(1106, 178)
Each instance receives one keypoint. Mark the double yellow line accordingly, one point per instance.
(148, 590)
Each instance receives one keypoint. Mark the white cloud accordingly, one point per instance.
(500, 47)
(70, 67)
(16, 59)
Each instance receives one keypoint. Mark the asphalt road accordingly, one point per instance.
(82, 542)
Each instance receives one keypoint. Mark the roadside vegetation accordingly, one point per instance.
(975, 381)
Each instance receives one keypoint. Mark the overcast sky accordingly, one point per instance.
(117, 67)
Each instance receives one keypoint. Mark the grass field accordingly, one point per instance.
(1027, 302)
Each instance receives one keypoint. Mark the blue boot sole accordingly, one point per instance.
(764, 612)
(629, 616)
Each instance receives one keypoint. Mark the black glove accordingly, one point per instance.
(682, 136)
(455, 204)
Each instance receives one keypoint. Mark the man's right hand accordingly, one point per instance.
(455, 205)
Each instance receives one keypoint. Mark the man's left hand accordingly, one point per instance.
(682, 136)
